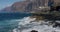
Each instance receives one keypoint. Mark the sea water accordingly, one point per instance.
(9, 21)
(22, 22)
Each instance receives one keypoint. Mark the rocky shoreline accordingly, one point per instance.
(54, 22)
(51, 17)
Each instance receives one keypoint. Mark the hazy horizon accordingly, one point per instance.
(6, 3)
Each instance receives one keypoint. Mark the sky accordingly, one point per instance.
(6, 3)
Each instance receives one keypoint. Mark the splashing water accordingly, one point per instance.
(28, 24)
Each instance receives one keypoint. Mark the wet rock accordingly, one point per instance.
(57, 24)
(34, 31)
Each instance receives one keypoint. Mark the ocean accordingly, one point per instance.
(22, 22)
(9, 21)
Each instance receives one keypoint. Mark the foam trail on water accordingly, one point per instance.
(25, 25)
(26, 20)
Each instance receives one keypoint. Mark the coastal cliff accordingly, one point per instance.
(24, 6)
(28, 6)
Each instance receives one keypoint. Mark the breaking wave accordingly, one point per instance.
(28, 24)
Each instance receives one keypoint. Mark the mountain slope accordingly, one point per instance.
(27, 6)
(24, 6)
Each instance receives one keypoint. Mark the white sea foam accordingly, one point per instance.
(25, 25)
(26, 20)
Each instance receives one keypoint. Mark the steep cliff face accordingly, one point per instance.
(19, 6)
(26, 6)
(31, 5)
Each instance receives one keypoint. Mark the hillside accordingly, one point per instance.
(27, 6)
(24, 6)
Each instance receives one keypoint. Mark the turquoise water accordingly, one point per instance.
(22, 22)
(9, 21)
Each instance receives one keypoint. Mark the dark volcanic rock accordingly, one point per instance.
(34, 31)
